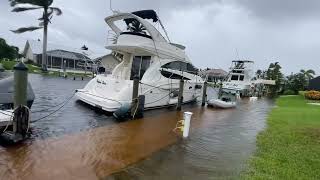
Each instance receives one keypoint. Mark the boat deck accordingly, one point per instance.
(5, 118)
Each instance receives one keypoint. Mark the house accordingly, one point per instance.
(314, 84)
(57, 56)
(109, 61)
(214, 75)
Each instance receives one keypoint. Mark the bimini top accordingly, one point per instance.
(138, 16)
(144, 14)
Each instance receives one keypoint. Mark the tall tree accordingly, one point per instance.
(308, 74)
(7, 51)
(48, 11)
(274, 73)
(258, 73)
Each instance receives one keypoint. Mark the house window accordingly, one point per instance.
(140, 64)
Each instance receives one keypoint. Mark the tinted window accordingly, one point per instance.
(241, 78)
(140, 64)
(176, 65)
(234, 78)
(191, 69)
(181, 66)
(171, 75)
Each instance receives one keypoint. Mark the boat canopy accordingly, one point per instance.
(144, 14)
(130, 17)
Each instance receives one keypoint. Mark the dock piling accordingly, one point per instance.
(204, 93)
(180, 97)
(186, 127)
(135, 92)
(20, 123)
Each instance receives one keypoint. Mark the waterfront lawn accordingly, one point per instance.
(8, 65)
(289, 148)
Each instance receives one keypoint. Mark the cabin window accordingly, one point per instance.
(171, 75)
(234, 78)
(237, 71)
(241, 77)
(181, 66)
(140, 64)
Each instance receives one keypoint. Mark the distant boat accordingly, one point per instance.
(7, 90)
(239, 78)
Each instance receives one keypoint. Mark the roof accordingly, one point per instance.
(67, 54)
(314, 84)
(36, 47)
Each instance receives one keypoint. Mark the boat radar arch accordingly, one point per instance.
(154, 33)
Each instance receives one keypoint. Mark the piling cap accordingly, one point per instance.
(189, 113)
(20, 66)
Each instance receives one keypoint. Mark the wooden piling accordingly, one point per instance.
(204, 93)
(135, 92)
(180, 97)
(64, 69)
(21, 112)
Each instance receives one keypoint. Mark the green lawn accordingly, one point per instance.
(289, 148)
(8, 65)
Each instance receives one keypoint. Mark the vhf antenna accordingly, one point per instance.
(110, 6)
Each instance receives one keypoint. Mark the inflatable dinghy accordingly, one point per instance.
(218, 103)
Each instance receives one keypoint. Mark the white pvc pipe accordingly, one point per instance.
(187, 119)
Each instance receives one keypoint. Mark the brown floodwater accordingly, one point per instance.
(80, 143)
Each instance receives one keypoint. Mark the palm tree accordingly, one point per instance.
(48, 12)
(308, 74)
(259, 73)
(136, 27)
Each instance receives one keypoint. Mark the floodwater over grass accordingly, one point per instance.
(80, 143)
(290, 147)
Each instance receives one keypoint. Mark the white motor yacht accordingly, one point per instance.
(240, 78)
(145, 53)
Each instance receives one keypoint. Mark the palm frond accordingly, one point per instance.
(56, 10)
(42, 3)
(310, 71)
(19, 9)
(25, 29)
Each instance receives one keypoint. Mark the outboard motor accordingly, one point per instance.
(7, 93)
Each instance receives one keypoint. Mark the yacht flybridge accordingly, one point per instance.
(145, 53)
(239, 78)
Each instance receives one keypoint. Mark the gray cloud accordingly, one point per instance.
(212, 30)
(281, 10)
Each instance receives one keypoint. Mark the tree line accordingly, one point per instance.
(7, 51)
(286, 85)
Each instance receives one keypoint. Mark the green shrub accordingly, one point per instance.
(312, 95)
(289, 92)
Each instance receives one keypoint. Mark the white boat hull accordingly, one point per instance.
(221, 104)
(110, 94)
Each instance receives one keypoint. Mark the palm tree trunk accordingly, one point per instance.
(45, 35)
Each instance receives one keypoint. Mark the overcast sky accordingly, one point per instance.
(215, 32)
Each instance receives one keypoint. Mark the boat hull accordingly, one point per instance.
(221, 104)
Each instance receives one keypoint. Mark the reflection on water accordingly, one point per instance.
(79, 143)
